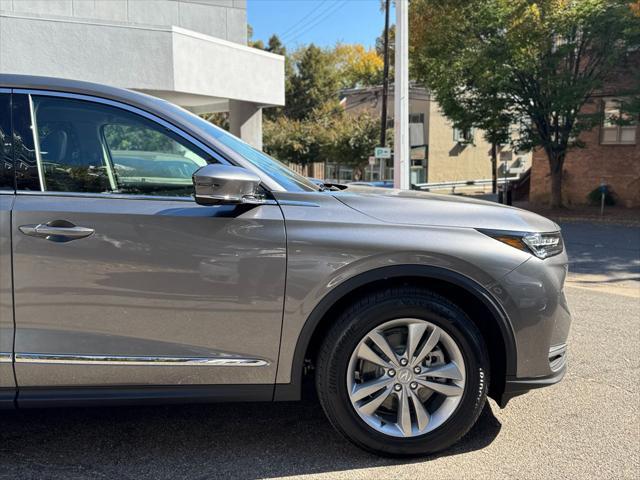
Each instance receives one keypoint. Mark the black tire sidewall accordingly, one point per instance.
(427, 307)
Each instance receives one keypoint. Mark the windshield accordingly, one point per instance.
(287, 178)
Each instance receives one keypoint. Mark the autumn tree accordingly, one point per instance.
(357, 66)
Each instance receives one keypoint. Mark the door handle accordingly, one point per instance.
(56, 231)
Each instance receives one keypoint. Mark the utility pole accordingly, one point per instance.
(385, 78)
(401, 165)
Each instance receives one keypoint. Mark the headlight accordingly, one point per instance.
(542, 245)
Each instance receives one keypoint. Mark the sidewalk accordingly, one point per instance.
(603, 257)
(629, 217)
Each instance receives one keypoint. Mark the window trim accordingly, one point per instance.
(36, 144)
(149, 116)
(13, 160)
(618, 128)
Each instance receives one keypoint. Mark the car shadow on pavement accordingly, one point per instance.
(244, 440)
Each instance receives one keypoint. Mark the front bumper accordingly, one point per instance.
(534, 300)
(519, 386)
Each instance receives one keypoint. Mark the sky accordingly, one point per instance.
(323, 22)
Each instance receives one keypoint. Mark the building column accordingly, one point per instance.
(245, 121)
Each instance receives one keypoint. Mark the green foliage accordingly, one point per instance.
(127, 137)
(519, 60)
(312, 126)
(220, 119)
(329, 134)
(392, 50)
(313, 83)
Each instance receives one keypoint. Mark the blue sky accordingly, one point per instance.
(323, 22)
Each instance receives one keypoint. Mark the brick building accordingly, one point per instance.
(611, 154)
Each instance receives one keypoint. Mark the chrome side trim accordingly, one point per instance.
(6, 357)
(65, 359)
(297, 203)
(119, 196)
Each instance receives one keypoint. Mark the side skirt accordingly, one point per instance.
(41, 397)
(7, 398)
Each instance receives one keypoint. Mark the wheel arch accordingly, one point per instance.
(448, 283)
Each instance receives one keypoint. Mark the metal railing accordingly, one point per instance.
(461, 183)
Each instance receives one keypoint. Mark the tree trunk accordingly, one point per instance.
(494, 168)
(556, 164)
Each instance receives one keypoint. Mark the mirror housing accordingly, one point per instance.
(217, 184)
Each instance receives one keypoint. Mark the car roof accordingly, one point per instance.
(31, 82)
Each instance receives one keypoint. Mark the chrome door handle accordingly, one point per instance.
(57, 231)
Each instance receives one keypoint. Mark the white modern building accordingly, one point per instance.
(190, 52)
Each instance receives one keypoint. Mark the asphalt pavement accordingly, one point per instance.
(585, 427)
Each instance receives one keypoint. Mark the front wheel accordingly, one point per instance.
(403, 372)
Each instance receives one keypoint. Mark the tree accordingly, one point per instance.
(539, 62)
(313, 83)
(351, 141)
(329, 134)
(357, 66)
(295, 141)
(275, 45)
(259, 44)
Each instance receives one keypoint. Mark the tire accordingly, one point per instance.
(391, 308)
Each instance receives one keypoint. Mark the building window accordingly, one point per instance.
(463, 135)
(416, 118)
(618, 128)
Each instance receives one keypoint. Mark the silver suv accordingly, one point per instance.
(147, 255)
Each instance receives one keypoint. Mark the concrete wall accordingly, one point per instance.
(183, 66)
(226, 19)
(450, 161)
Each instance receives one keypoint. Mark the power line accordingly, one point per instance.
(321, 18)
(321, 9)
(318, 20)
(296, 24)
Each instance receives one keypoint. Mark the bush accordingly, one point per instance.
(595, 196)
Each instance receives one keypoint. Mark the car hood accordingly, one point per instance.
(422, 208)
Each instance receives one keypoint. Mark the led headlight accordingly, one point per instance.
(542, 245)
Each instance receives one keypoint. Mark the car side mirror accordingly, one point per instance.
(217, 184)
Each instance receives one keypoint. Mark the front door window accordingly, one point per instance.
(88, 147)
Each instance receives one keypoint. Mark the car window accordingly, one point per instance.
(149, 162)
(88, 147)
(284, 176)
(6, 153)
(24, 150)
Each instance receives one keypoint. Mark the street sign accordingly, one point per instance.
(382, 152)
(372, 160)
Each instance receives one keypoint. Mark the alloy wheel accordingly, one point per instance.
(406, 377)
